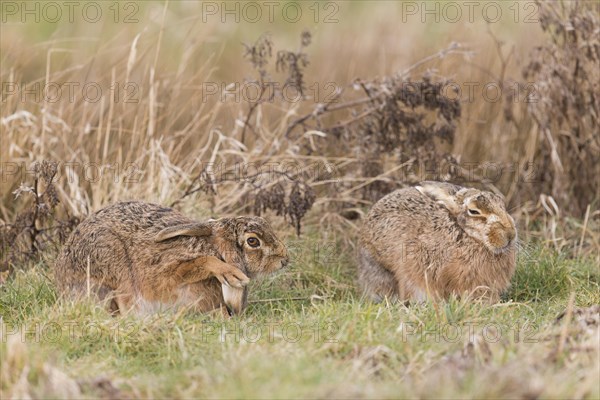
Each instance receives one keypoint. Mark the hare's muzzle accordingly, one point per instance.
(502, 236)
(285, 256)
(511, 234)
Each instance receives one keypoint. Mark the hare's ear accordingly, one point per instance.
(193, 229)
(443, 193)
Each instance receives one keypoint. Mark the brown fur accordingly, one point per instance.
(143, 256)
(423, 242)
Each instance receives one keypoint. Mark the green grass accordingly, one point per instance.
(308, 333)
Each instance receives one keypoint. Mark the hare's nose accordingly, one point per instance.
(284, 249)
(511, 234)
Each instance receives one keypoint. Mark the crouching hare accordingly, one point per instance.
(437, 240)
(143, 257)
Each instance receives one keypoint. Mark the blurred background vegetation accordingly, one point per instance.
(378, 112)
(524, 121)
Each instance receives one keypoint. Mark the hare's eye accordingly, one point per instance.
(472, 211)
(253, 242)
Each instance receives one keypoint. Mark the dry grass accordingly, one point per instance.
(162, 134)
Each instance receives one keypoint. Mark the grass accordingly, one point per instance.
(308, 333)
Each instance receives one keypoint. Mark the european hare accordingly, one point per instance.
(143, 257)
(435, 240)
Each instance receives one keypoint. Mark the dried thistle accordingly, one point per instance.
(301, 200)
(35, 228)
(294, 63)
(565, 70)
(260, 53)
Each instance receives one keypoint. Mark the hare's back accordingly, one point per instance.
(136, 218)
(404, 205)
(132, 228)
(115, 239)
(406, 216)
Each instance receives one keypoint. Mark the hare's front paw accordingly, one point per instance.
(227, 274)
(233, 277)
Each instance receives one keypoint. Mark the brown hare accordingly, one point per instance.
(145, 257)
(436, 240)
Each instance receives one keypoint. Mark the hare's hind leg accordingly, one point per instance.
(211, 296)
(97, 292)
(107, 297)
(376, 281)
(199, 290)
(235, 299)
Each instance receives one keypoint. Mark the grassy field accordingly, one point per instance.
(307, 333)
(355, 135)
